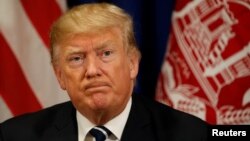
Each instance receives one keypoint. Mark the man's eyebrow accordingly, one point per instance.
(104, 44)
(72, 52)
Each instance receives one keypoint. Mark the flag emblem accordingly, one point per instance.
(206, 69)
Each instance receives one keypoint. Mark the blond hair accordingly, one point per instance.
(92, 17)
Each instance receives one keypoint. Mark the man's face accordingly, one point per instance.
(96, 71)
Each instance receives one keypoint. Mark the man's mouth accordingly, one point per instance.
(96, 86)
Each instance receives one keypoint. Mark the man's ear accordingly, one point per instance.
(59, 76)
(134, 64)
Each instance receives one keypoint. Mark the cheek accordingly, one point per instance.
(118, 70)
(122, 77)
(73, 78)
(74, 86)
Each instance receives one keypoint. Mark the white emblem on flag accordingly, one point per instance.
(206, 71)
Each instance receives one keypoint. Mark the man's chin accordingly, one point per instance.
(100, 101)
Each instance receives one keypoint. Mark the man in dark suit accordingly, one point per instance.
(96, 60)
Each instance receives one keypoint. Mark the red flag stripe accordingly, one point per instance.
(41, 15)
(31, 54)
(14, 88)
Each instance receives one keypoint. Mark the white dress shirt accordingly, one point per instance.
(116, 125)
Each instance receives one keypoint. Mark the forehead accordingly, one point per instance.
(104, 36)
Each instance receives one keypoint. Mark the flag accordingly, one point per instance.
(27, 80)
(206, 68)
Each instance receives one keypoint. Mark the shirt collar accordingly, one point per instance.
(116, 125)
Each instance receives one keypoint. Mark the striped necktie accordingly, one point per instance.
(100, 133)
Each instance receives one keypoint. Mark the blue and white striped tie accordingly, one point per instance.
(100, 133)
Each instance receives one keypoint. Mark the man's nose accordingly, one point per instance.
(92, 68)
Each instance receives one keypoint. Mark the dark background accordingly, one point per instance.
(152, 25)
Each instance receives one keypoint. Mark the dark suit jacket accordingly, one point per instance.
(148, 121)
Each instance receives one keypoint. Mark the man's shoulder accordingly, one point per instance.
(169, 121)
(163, 110)
(47, 115)
(41, 125)
(167, 115)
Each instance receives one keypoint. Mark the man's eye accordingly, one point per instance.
(106, 53)
(76, 58)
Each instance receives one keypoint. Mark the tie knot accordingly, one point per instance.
(100, 133)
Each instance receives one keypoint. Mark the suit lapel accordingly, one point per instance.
(138, 126)
(65, 125)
